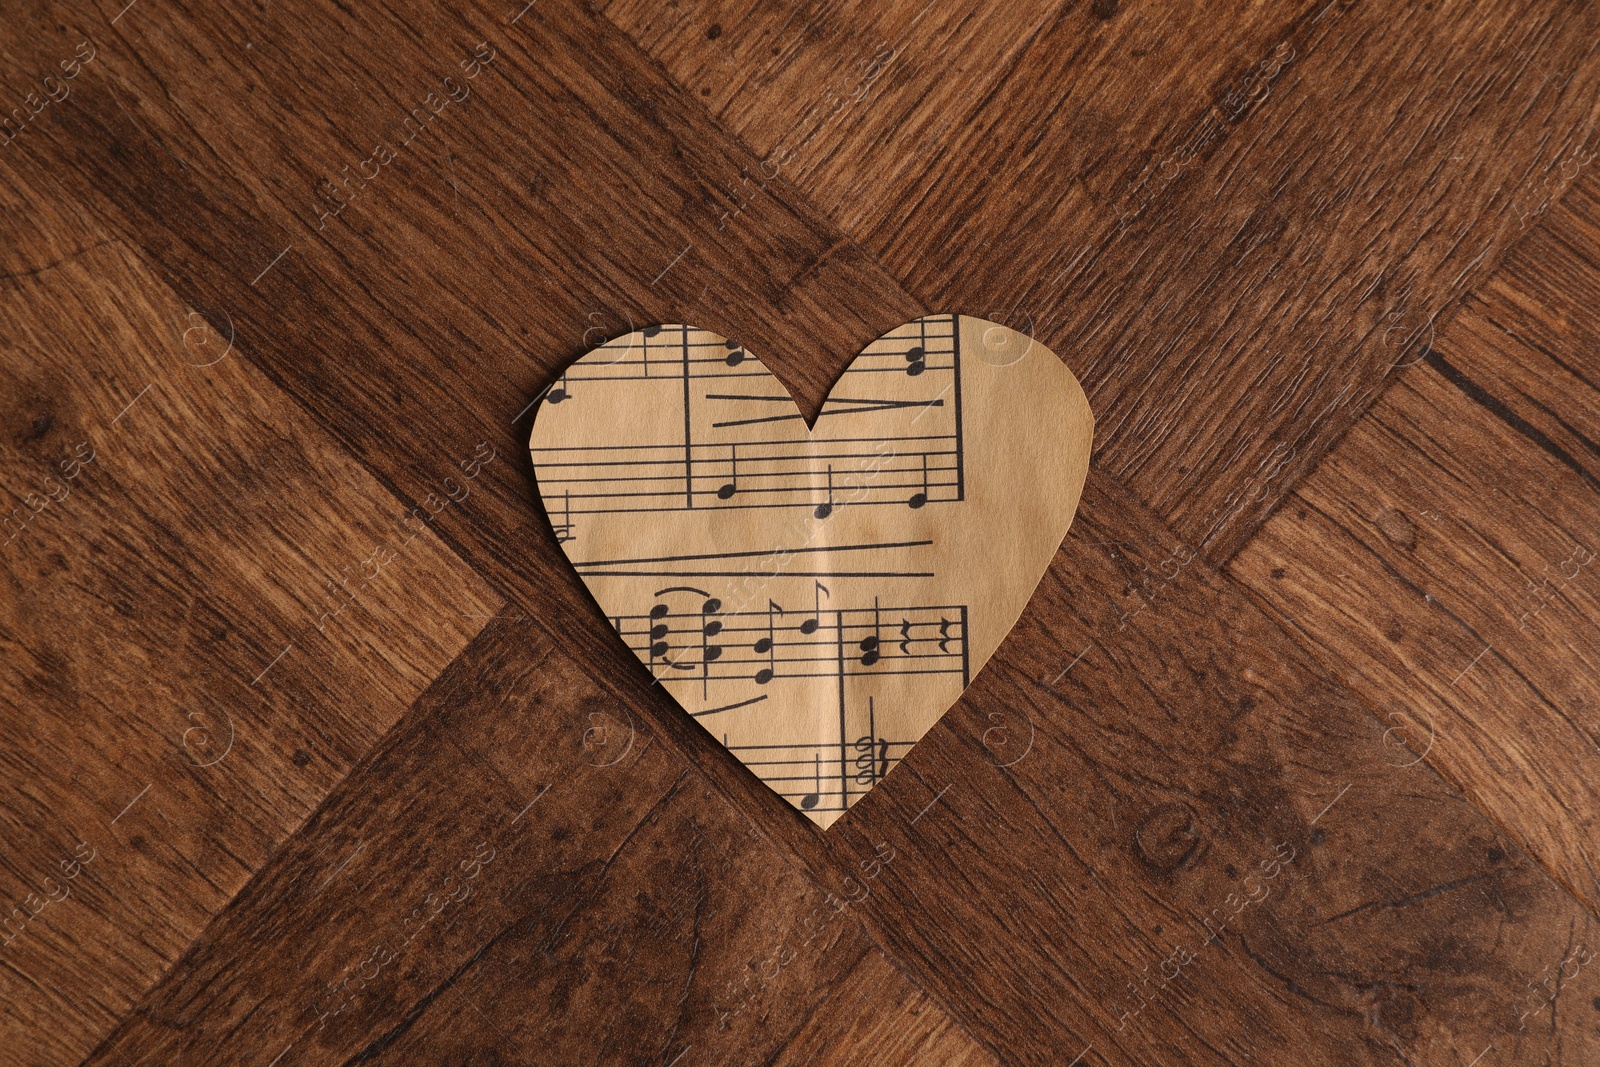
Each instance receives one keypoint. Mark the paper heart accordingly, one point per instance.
(818, 599)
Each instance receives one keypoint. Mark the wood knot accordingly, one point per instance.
(41, 426)
(1397, 528)
(1168, 838)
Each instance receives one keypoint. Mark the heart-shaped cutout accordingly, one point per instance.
(818, 599)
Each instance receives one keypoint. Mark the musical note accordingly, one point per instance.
(811, 624)
(649, 332)
(735, 355)
(920, 497)
(917, 355)
(871, 766)
(560, 391)
(709, 628)
(869, 644)
(824, 510)
(813, 798)
(916, 360)
(658, 633)
(731, 486)
(766, 645)
(563, 528)
(769, 646)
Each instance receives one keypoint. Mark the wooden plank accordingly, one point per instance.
(874, 1017)
(1441, 557)
(42, 226)
(1236, 223)
(1153, 832)
(198, 581)
(519, 868)
(810, 85)
(568, 124)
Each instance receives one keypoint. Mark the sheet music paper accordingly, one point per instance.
(817, 598)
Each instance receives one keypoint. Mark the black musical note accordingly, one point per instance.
(560, 391)
(869, 644)
(731, 486)
(920, 497)
(649, 332)
(768, 646)
(812, 799)
(658, 633)
(917, 355)
(811, 624)
(736, 647)
(822, 511)
(709, 628)
(916, 360)
(735, 354)
(712, 628)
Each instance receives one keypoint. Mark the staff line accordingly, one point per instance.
(757, 552)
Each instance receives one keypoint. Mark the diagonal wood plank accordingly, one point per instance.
(518, 872)
(874, 1017)
(567, 126)
(810, 86)
(1442, 557)
(197, 579)
(1238, 223)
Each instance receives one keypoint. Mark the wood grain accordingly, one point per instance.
(1441, 556)
(874, 1017)
(518, 866)
(414, 413)
(187, 611)
(1231, 225)
(579, 101)
(1189, 204)
(1076, 846)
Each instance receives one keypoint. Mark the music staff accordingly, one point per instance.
(813, 777)
(910, 470)
(706, 427)
(935, 347)
(688, 468)
(738, 564)
(760, 646)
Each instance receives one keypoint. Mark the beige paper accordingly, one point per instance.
(815, 600)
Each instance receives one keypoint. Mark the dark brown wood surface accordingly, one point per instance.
(320, 753)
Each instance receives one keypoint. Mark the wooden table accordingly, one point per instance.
(318, 753)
